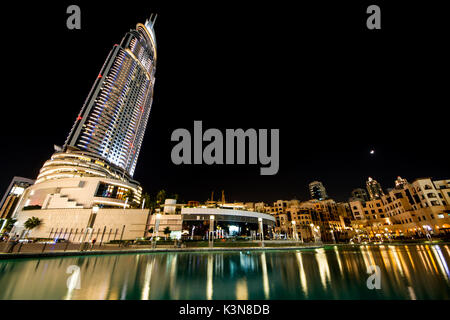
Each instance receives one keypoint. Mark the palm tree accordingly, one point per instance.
(129, 194)
(32, 223)
(160, 197)
(167, 231)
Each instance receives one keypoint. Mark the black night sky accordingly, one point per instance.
(334, 89)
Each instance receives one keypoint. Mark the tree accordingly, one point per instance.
(129, 194)
(32, 223)
(160, 197)
(167, 231)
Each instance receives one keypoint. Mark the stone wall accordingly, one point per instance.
(71, 224)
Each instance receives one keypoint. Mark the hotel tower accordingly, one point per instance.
(96, 164)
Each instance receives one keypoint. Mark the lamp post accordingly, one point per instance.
(427, 229)
(294, 231)
(156, 229)
(388, 234)
(211, 231)
(314, 230)
(261, 231)
(192, 233)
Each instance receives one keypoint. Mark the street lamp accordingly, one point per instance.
(261, 231)
(157, 221)
(332, 235)
(156, 229)
(294, 230)
(211, 231)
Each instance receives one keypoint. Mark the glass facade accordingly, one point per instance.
(113, 119)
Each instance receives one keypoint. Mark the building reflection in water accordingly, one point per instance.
(322, 263)
(407, 272)
(147, 279)
(209, 277)
(302, 274)
(265, 277)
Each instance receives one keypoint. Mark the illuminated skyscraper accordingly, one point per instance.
(317, 190)
(112, 121)
(97, 162)
(374, 189)
(359, 194)
(400, 183)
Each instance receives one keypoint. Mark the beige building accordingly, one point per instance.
(411, 209)
(72, 224)
(326, 214)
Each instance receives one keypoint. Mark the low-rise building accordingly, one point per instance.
(410, 209)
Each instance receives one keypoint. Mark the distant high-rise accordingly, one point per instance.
(374, 189)
(317, 190)
(112, 121)
(359, 194)
(13, 192)
(400, 183)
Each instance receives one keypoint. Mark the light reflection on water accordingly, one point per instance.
(407, 272)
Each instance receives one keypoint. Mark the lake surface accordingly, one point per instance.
(406, 272)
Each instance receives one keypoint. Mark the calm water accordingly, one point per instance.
(407, 272)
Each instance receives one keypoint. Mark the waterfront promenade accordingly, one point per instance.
(29, 250)
(36, 250)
